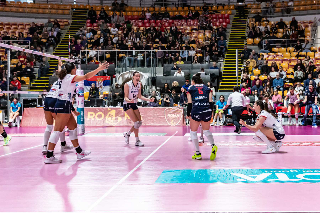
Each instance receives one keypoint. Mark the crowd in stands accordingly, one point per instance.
(40, 37)
(193, 38)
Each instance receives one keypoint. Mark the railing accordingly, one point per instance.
(124, 58)
(11, 42)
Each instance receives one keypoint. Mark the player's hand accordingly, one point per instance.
(103, 66)
(188, 117)
(130, 101)
(76, 113)
(242, 122)
(60, 63)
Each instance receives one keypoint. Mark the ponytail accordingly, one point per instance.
(264, 106)
(68, 68)
(197, 79)
(62, 74)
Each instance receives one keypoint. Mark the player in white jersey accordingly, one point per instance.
(293, 102)
(267, 128)
(63, 108)
(132, 92)
(49, 103)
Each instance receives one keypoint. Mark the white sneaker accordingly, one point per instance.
(221, 124)
(139, 143)
(212, 124)
(290, 122)
(126, 137)
(83, 154)
(44, 150)
(297, 123)
(189, 139)
(269, 150)
(66, 148)
(278, 145)
(52, 160)
(201, 140)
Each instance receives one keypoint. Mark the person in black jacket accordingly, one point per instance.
(265, 68)
(92, 15)
(94, 91)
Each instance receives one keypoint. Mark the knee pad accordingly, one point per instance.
(207, 133)
(73, 134)
(193, 135)
(140, 124)
(49, 128)
(259, 133)
(54, 137)
(136, 125)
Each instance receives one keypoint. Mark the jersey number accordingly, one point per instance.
(200, 91)
(59, 83)
(134, 96)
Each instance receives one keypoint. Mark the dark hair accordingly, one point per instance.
(235, 88)
(67, 70)
(135, 72)
(222, 97)
(155, 99)
(197, 79)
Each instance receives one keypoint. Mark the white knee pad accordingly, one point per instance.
(73, 134)
(140, 124)
(49, 128)
(54, 137)
(193, 135)
(207, 133)
(136, 125)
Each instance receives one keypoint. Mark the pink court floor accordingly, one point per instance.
(161, 177)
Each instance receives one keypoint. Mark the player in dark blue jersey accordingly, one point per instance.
(200, 105)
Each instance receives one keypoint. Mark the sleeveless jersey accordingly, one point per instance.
(54, 91)
(133, 91)
(292, 98)
(200, 98)
(271, 122)
(67, 88)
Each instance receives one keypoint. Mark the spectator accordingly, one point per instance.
(290, 6)
(176, 87)
(186, 85)
(117, 95)
(294, 23)
(14, 111)
(15, 84)
(281, 24)
(299, 63)
(114, 30)
(307, 81)
(195, 60)
(264, 68)
(94, 91)
(266, 48)
(219, 110)
(167, 101)
(183, 97)
(175, 67)
(318, 86)
(245, 53)
(166, 89)
(103, 15)
(299, 89)
(245, 78)
(184, 53)
(270, 103)
(310, 101)
(278, 83)
(306, 46)
(175, 97)
(122, 5)
(222, 44)
(256, 78)
(153, 102)
(311, 69)
(180, 61)
(3, 84)
(316, 72)
(44, 67)
(257, 18)
(276, 99)
(257, 86)
(245, 86)
(282, 73)
(268, 88)
(28, 72)
(251, 64)
(298, 75)
(92, 15)
(317, 80)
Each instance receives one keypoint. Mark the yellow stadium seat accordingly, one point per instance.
(249, 41)
(286, 55)
(86, 95)
(256, 72)
(285, 92)
(314, 49)
(293, 54)
(285, 66)
(257, 40)
(311, 54)
(25, 79)
(290, 49)
(263, 77)
(280, 92)
(282, 50)
(252, 77)
(275, 49)
(290, 76)
(290, 71)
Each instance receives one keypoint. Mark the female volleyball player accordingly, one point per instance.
(293, 102)
(63, 108)
(49, 103)
(200, 105)
(267, 128)
(132, 91)
(6, 137)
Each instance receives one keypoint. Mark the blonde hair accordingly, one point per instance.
(175, 84)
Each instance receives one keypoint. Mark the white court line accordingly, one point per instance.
(19, 151)
(125, 177)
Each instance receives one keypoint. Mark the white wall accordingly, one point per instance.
(24, 20)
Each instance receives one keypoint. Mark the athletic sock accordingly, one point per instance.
(4, 134)
(129, 133)
(63, 136)
(209, 136)
(137, 139)
(49, 153)
(78, 149)
(46, 137)
(264, 138)
(194, 138)
(63, 143)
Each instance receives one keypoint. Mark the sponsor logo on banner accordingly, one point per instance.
(173, 116)
(240, 176)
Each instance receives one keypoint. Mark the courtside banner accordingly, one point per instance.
(99, 116)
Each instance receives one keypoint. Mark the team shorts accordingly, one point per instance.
(128, 106)
(278, 135)
(204, 116)
(49, 104)
(63, 106)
